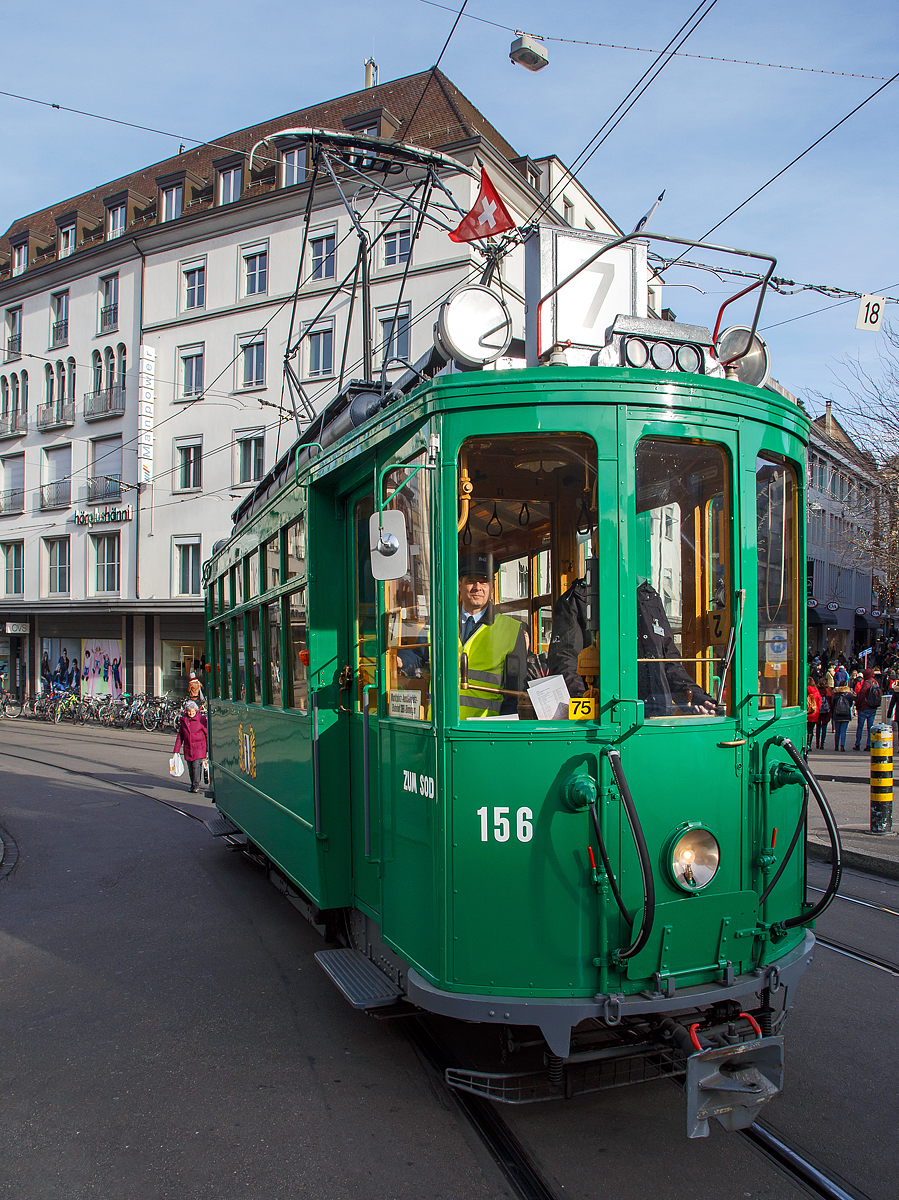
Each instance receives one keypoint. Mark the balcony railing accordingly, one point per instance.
(56, 495)
(108, 403)
(60, 333)
(53, 416)
(109, 318)
(13, 424)
(12, 501)
(104, 487)
(14, 344)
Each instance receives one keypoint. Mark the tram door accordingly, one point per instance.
(359, 698)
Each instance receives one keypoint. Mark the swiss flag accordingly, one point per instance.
(489, 215)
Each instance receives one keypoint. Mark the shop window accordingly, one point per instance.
(179, 658)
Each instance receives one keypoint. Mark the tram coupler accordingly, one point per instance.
(732, 1083)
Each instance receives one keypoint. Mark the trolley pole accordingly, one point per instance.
(882, 779)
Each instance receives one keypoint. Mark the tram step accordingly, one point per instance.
(221, 826)
(358, 978)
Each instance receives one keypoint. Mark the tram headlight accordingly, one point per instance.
(692, 858)
(636, 352)
(662, 355)
(689, 359)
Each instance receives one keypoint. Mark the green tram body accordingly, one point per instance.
(508, 923)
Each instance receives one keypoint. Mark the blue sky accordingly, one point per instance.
(708, 132)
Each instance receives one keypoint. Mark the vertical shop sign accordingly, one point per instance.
(146, 407)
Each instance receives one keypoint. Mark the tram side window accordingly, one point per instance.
(683, 576)
(253, 568)
(212, 601)
(239, 688)
(407, 601)
(777, 531)
(527, 519)
(299, 654)
(273, 620)
(227, 671)
(365, 632)
(272, 551)
(295, 559)
(237, 591)
(254, 663)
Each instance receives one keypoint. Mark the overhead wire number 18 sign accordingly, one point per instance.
(870, 313)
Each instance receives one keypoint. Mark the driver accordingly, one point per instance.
(494, 643)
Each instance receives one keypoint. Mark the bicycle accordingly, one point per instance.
(9, 705)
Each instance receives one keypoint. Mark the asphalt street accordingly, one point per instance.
(166, 1032)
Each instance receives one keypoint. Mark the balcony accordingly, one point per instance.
(13, 424)
(14, 345)
(104, 488)
(109, 318)
(60, 334)
(56, 495)
(12, 501)
(108, 403)
(56, 415)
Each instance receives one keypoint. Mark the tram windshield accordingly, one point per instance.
(776, 529)
(527, 523)
(683, 577)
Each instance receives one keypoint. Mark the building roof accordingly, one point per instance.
(427, 111)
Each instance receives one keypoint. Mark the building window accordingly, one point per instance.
(321, 351)
(104, 484)
(395, 334)
(107, 556)
(229, 185)
(172, 201)
(56, 491)
(19, 258)
(190, 467)
(188, 567)
(567, 210)
(397, 240)
(195, 287)
(12, 485)
(116, 222)
(250, 457)
(253, 364)
(292, 165)
(66, 241)
(109, 311)
(13, 332)
(14, 561)
(191, 371)
(256, 272)
(323, 258)
(59, 307)
(58, 566)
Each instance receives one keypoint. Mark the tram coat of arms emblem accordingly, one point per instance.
(246, 741)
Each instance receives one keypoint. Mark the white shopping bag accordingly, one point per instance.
(176, 766)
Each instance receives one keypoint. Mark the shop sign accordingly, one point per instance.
(833, 606)
(811, 602)
(104, 516)
(876, 612)
(146, 407)
(18, 627)
(860, 612)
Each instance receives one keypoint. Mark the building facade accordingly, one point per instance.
(145, 325)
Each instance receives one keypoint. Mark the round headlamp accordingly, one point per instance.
(689, 358)
(662, 356)
(636, 352)
(692, 858)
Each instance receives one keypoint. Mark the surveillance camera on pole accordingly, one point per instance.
(529, 52)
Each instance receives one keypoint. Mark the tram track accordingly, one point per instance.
(794, 1163)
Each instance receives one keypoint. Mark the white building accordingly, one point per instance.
(115, 478)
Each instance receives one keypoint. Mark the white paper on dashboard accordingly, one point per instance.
(550, 697)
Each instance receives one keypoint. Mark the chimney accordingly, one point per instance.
(371, 73)
(828, 418)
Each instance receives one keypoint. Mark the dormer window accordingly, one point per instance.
(229, 184)
(19, 258)
(115, 221)
(171, 202)
(66, 241)
(292, 167)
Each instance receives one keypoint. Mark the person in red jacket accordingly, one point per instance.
(812, 708)
(192, 734)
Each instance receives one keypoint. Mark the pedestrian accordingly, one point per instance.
(812, 708)
(842, 715)
(840, 676)
(46, 673)
(824, 714)
(867, 702)
(195, 690)
(192, 734)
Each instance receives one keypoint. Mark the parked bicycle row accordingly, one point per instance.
(123, 712)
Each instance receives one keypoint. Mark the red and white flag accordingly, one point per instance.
(488, 217)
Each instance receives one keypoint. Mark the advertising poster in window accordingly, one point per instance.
(101, 667)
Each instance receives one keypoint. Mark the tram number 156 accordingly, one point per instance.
(502, 824)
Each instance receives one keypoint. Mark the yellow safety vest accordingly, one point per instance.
(487, 649)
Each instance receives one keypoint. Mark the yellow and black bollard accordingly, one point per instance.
(882, 779)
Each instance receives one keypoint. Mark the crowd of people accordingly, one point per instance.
(839, 691)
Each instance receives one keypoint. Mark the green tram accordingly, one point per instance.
(616, 863)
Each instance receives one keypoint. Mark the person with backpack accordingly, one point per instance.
(824, 714)
(842, 714)
(812, 709)
(867, 703)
